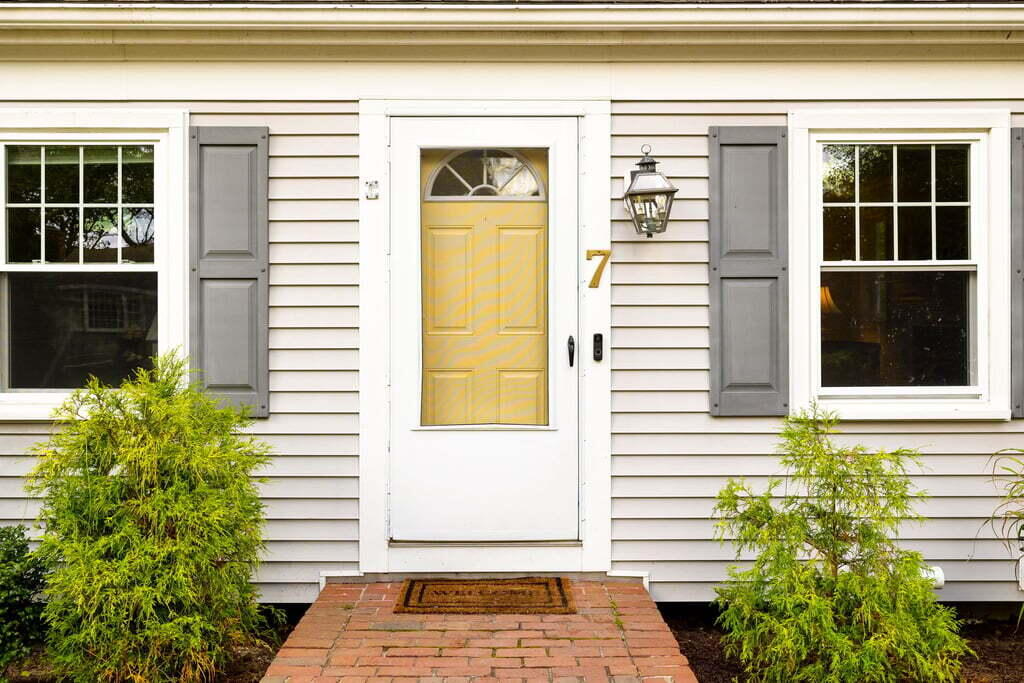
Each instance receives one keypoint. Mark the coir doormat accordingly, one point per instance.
(532, 595)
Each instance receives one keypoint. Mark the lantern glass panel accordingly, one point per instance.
(650, 211)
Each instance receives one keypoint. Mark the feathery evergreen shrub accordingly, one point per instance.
(21, 582)
(153, 527)
(831, 597)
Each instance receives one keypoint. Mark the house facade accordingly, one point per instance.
(386, 227)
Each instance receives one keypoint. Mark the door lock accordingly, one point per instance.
(598, 346)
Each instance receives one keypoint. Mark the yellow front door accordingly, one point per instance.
(484, 250)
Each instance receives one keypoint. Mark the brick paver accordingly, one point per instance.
(352, 635)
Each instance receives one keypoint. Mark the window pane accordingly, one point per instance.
(62, 235)
(876, 173)
(137, 235)
(951, 169)
(952, 233)
(101, 235)
(914, 175)
(896, 329)
(101, 175)
(839, 233)
(23, 235)
(447, 184)
(470, 166)
(837, 184)
(484, 173)
(876, 233)
(24, 175)
(62, 175)
(915, 233)
(137, 172)
(67, 326)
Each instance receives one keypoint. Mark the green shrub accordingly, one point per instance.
(21, 583)
(830, 596)
(152, 528)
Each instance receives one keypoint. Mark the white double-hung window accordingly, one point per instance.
(91, 250)
(900, 263)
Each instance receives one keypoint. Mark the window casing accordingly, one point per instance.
(901, 326)
(91, 285)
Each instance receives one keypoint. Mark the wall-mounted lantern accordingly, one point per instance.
(649, 197)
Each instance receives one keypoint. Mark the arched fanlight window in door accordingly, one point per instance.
(484, 174)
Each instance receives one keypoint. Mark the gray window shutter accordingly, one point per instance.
(228, 242)
(1017, 270)
(749, 305)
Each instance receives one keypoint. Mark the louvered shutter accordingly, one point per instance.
(228, 243)
(748, 271)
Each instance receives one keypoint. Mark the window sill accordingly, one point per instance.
(29, 406)
(915, 409)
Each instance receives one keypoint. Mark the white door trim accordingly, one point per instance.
(594, 553)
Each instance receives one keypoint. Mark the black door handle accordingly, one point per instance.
(572, 350)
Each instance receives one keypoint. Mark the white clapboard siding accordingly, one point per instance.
(311, 485)
(670, 456)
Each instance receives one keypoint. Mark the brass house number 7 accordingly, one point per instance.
(595, 281)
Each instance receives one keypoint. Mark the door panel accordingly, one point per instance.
(483, 402)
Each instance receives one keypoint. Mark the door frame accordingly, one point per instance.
(593, 552)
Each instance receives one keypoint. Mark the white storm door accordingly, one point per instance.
(495, 458)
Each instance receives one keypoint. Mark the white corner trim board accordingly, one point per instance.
(593, 553)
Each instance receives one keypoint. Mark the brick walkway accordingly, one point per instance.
(351, 635)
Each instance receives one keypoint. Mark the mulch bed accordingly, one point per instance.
(247, 665)
(999, 645)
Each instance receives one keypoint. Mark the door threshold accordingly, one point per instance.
(485, 544)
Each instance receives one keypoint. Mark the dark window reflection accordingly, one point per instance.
(915, 233)
(67, 326)
(875, 173)
(840, 233)
(24, 174)
(62, 175)
(61, 235)
(876, 230)
(23, 235)
(895, 329)
(951, 232)
(951, 170)
(914, 181)
(137, 174)
(101, 175)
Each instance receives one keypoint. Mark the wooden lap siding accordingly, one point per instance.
(670, 456)
(311, 493)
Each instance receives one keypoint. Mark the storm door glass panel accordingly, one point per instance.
(484, 276)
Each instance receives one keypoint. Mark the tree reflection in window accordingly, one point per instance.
(484, 173)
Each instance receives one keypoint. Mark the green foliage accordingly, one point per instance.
(21, 582)
(831, 598)
(153, 527)
(1008, 518)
